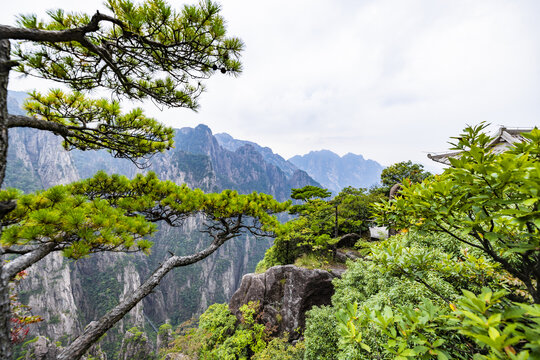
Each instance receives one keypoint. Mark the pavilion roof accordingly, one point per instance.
(503, 139)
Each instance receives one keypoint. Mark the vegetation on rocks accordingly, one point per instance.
(313, 235)
(221, 336)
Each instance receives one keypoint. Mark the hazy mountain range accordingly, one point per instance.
(335, 172)
(324, 166)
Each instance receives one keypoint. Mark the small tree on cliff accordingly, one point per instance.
(146, 51)
(396, 173)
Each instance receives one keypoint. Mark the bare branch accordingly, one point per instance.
(24, 261)
(76, 34)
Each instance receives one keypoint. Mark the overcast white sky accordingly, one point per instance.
(388, 79)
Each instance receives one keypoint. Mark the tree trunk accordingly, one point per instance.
(5, 311)
(4, 78)
(336, 226)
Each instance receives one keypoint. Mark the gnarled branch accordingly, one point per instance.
(96, 329)
(24, 261)
(52, 36)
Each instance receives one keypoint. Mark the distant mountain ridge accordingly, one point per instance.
(232, 144)
(335, 172)
(210, 161)
(244, 167)
(326, 167)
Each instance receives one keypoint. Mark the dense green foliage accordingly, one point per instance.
(320, 335)
(220, 336)
(119, 133)
(353, 208)
(486, 201)
(113, 213)
(310, 192)
(460, 281)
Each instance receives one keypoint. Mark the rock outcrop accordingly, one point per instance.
(348, 240)
(41, 349)
(284, 294)
(48, 291)
(136, 345)
(164, 336)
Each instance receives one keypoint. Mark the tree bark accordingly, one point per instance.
(4, 78)
(14, 121)
(96, 329)
(5, 311)
(39, 35)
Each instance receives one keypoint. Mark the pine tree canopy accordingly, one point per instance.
(113, 213)
(146, 50)
(141, 51)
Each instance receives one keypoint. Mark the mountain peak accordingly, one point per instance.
(352, 156)
(203, 128)
(232, 144)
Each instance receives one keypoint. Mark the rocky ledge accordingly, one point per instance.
(285, 293)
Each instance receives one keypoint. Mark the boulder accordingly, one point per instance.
(285, 293)
(348, 240)
(344, 255)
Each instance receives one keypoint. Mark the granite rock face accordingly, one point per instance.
(164, 337)
(42, 349)
(285, 293)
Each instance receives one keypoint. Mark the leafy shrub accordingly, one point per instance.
(220, 336)
(321, 337)
(280, 349)
(471, 243)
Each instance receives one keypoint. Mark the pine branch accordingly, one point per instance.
(53, 36)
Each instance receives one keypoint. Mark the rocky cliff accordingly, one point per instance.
(232, 144)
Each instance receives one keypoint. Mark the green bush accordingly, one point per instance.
(220, 336)
(471, 244)
(321, 336)
(280, 349)
(218, 322)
